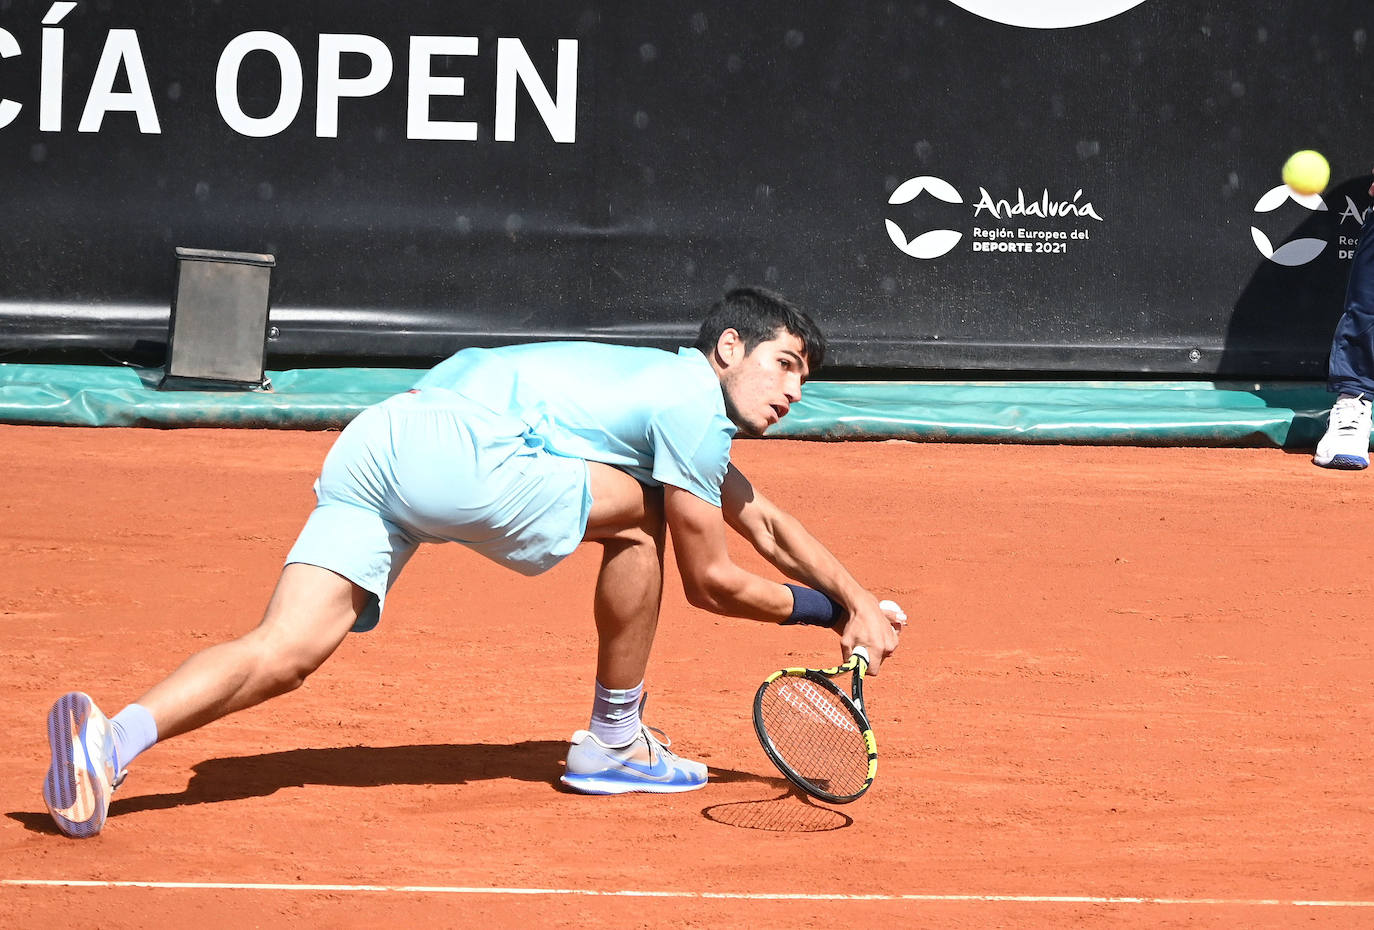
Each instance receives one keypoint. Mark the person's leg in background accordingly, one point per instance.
(1351, 368)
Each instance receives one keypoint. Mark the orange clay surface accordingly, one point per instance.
(1131, 674)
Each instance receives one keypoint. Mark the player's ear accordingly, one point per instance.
(730, 347)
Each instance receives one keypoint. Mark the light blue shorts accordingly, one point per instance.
(434, 466)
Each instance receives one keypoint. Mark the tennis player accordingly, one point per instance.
(521, 453)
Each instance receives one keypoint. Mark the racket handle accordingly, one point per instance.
(861, 652)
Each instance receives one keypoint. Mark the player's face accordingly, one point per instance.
(761, 385)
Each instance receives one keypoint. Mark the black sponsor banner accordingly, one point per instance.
(1064, 186)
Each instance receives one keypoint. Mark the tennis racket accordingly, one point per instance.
(815, 733)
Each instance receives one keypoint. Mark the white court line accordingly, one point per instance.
(697, 895)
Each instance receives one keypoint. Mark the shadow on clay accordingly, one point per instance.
(237, 777)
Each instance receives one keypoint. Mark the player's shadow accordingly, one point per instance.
(235, 778)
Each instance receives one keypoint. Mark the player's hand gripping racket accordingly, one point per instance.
(817, 735)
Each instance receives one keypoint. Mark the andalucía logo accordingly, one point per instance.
(1001, 225)
(1305, 249)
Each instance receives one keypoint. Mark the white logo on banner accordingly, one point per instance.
(1047, 14)
(931, 244)
(1003, 225)
(1299, 251)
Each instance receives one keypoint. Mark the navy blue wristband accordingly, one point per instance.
(813, 608)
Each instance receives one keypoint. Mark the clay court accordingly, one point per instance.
(1136, 694)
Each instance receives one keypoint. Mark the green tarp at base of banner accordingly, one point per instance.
(1163, 413)
(83, 395)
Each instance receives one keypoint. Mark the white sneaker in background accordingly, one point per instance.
(1346, 443)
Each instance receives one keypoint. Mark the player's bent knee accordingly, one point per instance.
(309, 614)
(277, 670)
(284, 658)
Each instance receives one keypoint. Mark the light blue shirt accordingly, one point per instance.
(659, 416)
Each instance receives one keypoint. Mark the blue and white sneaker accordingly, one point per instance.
(595, 768)
(1346, 443)
(82, 775)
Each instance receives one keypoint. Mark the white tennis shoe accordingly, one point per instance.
(1346, 443)
(595, 768)
(82, 775)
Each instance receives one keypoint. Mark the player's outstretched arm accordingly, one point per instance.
(713, 582)
(782, 539)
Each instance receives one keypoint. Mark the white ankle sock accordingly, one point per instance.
(615, 714)
(134, 731)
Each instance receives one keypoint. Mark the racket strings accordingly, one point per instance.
(815, 734)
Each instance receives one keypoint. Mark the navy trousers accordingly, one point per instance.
(1351, 368)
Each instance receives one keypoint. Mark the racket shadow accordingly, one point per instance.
(790, 812)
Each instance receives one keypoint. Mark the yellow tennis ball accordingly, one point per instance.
(1307, 172)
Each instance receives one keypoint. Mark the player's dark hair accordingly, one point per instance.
(759, 315)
